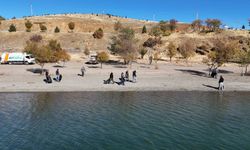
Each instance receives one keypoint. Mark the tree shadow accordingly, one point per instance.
(193, 72)
(58, 66)
(209, 86)
(93, 66)
(37, 70)
(221, 71)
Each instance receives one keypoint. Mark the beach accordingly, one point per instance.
(169, 77)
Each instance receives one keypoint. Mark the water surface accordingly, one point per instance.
(125, 121)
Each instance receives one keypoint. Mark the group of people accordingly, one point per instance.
(123, 78)
(48, 78)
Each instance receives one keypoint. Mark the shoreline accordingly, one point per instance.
(169, 77)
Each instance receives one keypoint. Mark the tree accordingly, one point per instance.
(213, 24)
(156, 58)
(172, 51)
(172, 25)
(46, 53)
(187, 49)
(118, 26)
(57, 30)
(243, 27)
(156, 31)
(196, 25)
(163, 26)
(144, 29)
(28, 26)
(12, 28)
(142, 52)
(71, 26)
(152, 42)
(43, 28)
(102, 57)
(125, 45)
(223, 51)
(98, 34)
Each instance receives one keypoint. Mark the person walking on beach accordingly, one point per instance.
(83, 71)
(221, 83)
(134, 76)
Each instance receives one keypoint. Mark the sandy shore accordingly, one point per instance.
(169, 77)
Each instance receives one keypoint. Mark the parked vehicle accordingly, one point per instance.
(92, 59)
(8, 58)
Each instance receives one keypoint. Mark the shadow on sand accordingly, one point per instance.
(36, 70)
(209, 86)
(193, 72)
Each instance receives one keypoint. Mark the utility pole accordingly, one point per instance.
(31, 10)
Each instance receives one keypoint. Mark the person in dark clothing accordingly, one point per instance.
(221, 83)
(122, 79)
(214, 73)
(47, 77)
(57, 75)
(127, 76)
(111, 78)
(134, 76)
(83, 71)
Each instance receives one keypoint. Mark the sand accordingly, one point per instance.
(169, 77)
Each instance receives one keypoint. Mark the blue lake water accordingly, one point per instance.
(125, 121)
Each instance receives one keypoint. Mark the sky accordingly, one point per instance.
(233, 13)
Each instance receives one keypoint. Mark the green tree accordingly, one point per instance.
(12, 28)
(98, 34)
(57, 30)
(125, 45)
(172, 51)
(213, 24)
(144, 29)
(28, 26)
(102, 57)
(43, 28)
(71, 26)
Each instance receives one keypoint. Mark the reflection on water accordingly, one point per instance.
(125, 120)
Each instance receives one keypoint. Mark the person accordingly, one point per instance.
(122, 79)
(150, 60)
(83, 71)
(127, 76)
(221, 83)
(214, 73)
(134, 76)
(111, 78)
(47, 77)
(57, 75)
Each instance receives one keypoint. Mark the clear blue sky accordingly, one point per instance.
(232, 12)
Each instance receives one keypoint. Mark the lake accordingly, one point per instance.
(125, 121)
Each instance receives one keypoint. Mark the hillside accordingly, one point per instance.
(85, 25)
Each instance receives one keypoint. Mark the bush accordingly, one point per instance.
(71, 26)
(102, 57)
(57, 30)
(86, 51)
(144, 29)
(143, 51)
(118, 26)
(28, 26)
(12, 28)
(43, 28)
(98, 34)
(36, 38)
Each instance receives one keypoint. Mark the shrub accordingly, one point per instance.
(36, 38)
(28, 26)
(144, 29)
(118, 26)
(143, 51)
(57, 30)
(43, 28)
(12, 28)
(71, 26)
(102, 57)
(86, 51)
(98, 34)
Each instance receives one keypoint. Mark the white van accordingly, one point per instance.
(7, 58)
